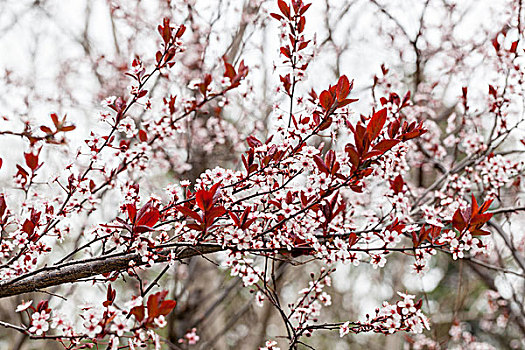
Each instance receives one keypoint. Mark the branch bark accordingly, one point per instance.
(79, 269)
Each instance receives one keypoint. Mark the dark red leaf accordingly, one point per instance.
(352, 239)
(495, 43)
(138, 312)
(214, 213)
(326, 100)
(346, 102)
(149, 218)
(326, 123)
(253, 141)
(132, 211)
(188, 212)
(276, 16)
(31, 160)
(393, 128)
(235, 218)
(376, 124)
(304, 8)
(385, 145)
(229, 70)
(3, 206)
(343, 88)
(180, 31)
(67, 128)
(320, 164)
(143, 137)
(46, 129)
(54, 118)
(166, 306)
(397, 184)
(285, 10)
(286, 51)
(203, 199)
(352, 153)
(301, 24)
(154, 302)
(458, 221)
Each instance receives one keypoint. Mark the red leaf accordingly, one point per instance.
(352, 153)
(154, 302)
(138, 312)
(304, 8)
(478, 232)
(214, 213)
(68, 128)
(196, 227)
(132, 211)
(385, 145)
(415, 239)
(480, 219)
(149, 218)
(406, 100)
(325, 124)
(166, 32)
(352, 239)
(301, 24)
(371, 154)
(142, 228)
(458, 222)
(285, 10)
(485, 206)
(397, 184)
(329, 159)
(235, 218)
(166, 306)
(346, 102)
(21, 171)
(474, 206)
(229, 70)
(493, 91)
(28, 227)
(180, 31)
(326, 100)
(320, 164)
(343, 88)
(253, 141)
(143, 137)
(286, 51)
(31, 160)
(203, 199)
(3, 206)
(245, 214)
(376, 124)
(412, 134)
(188, 212)
(54, 118)
(393, 128)
(215, 187)
(276, 16)
(495, 43)
(46, 129)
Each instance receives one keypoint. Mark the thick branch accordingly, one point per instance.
(76, 270)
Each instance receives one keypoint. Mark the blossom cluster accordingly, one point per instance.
(390, 318)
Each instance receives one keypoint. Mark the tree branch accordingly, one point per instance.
(75, 270)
